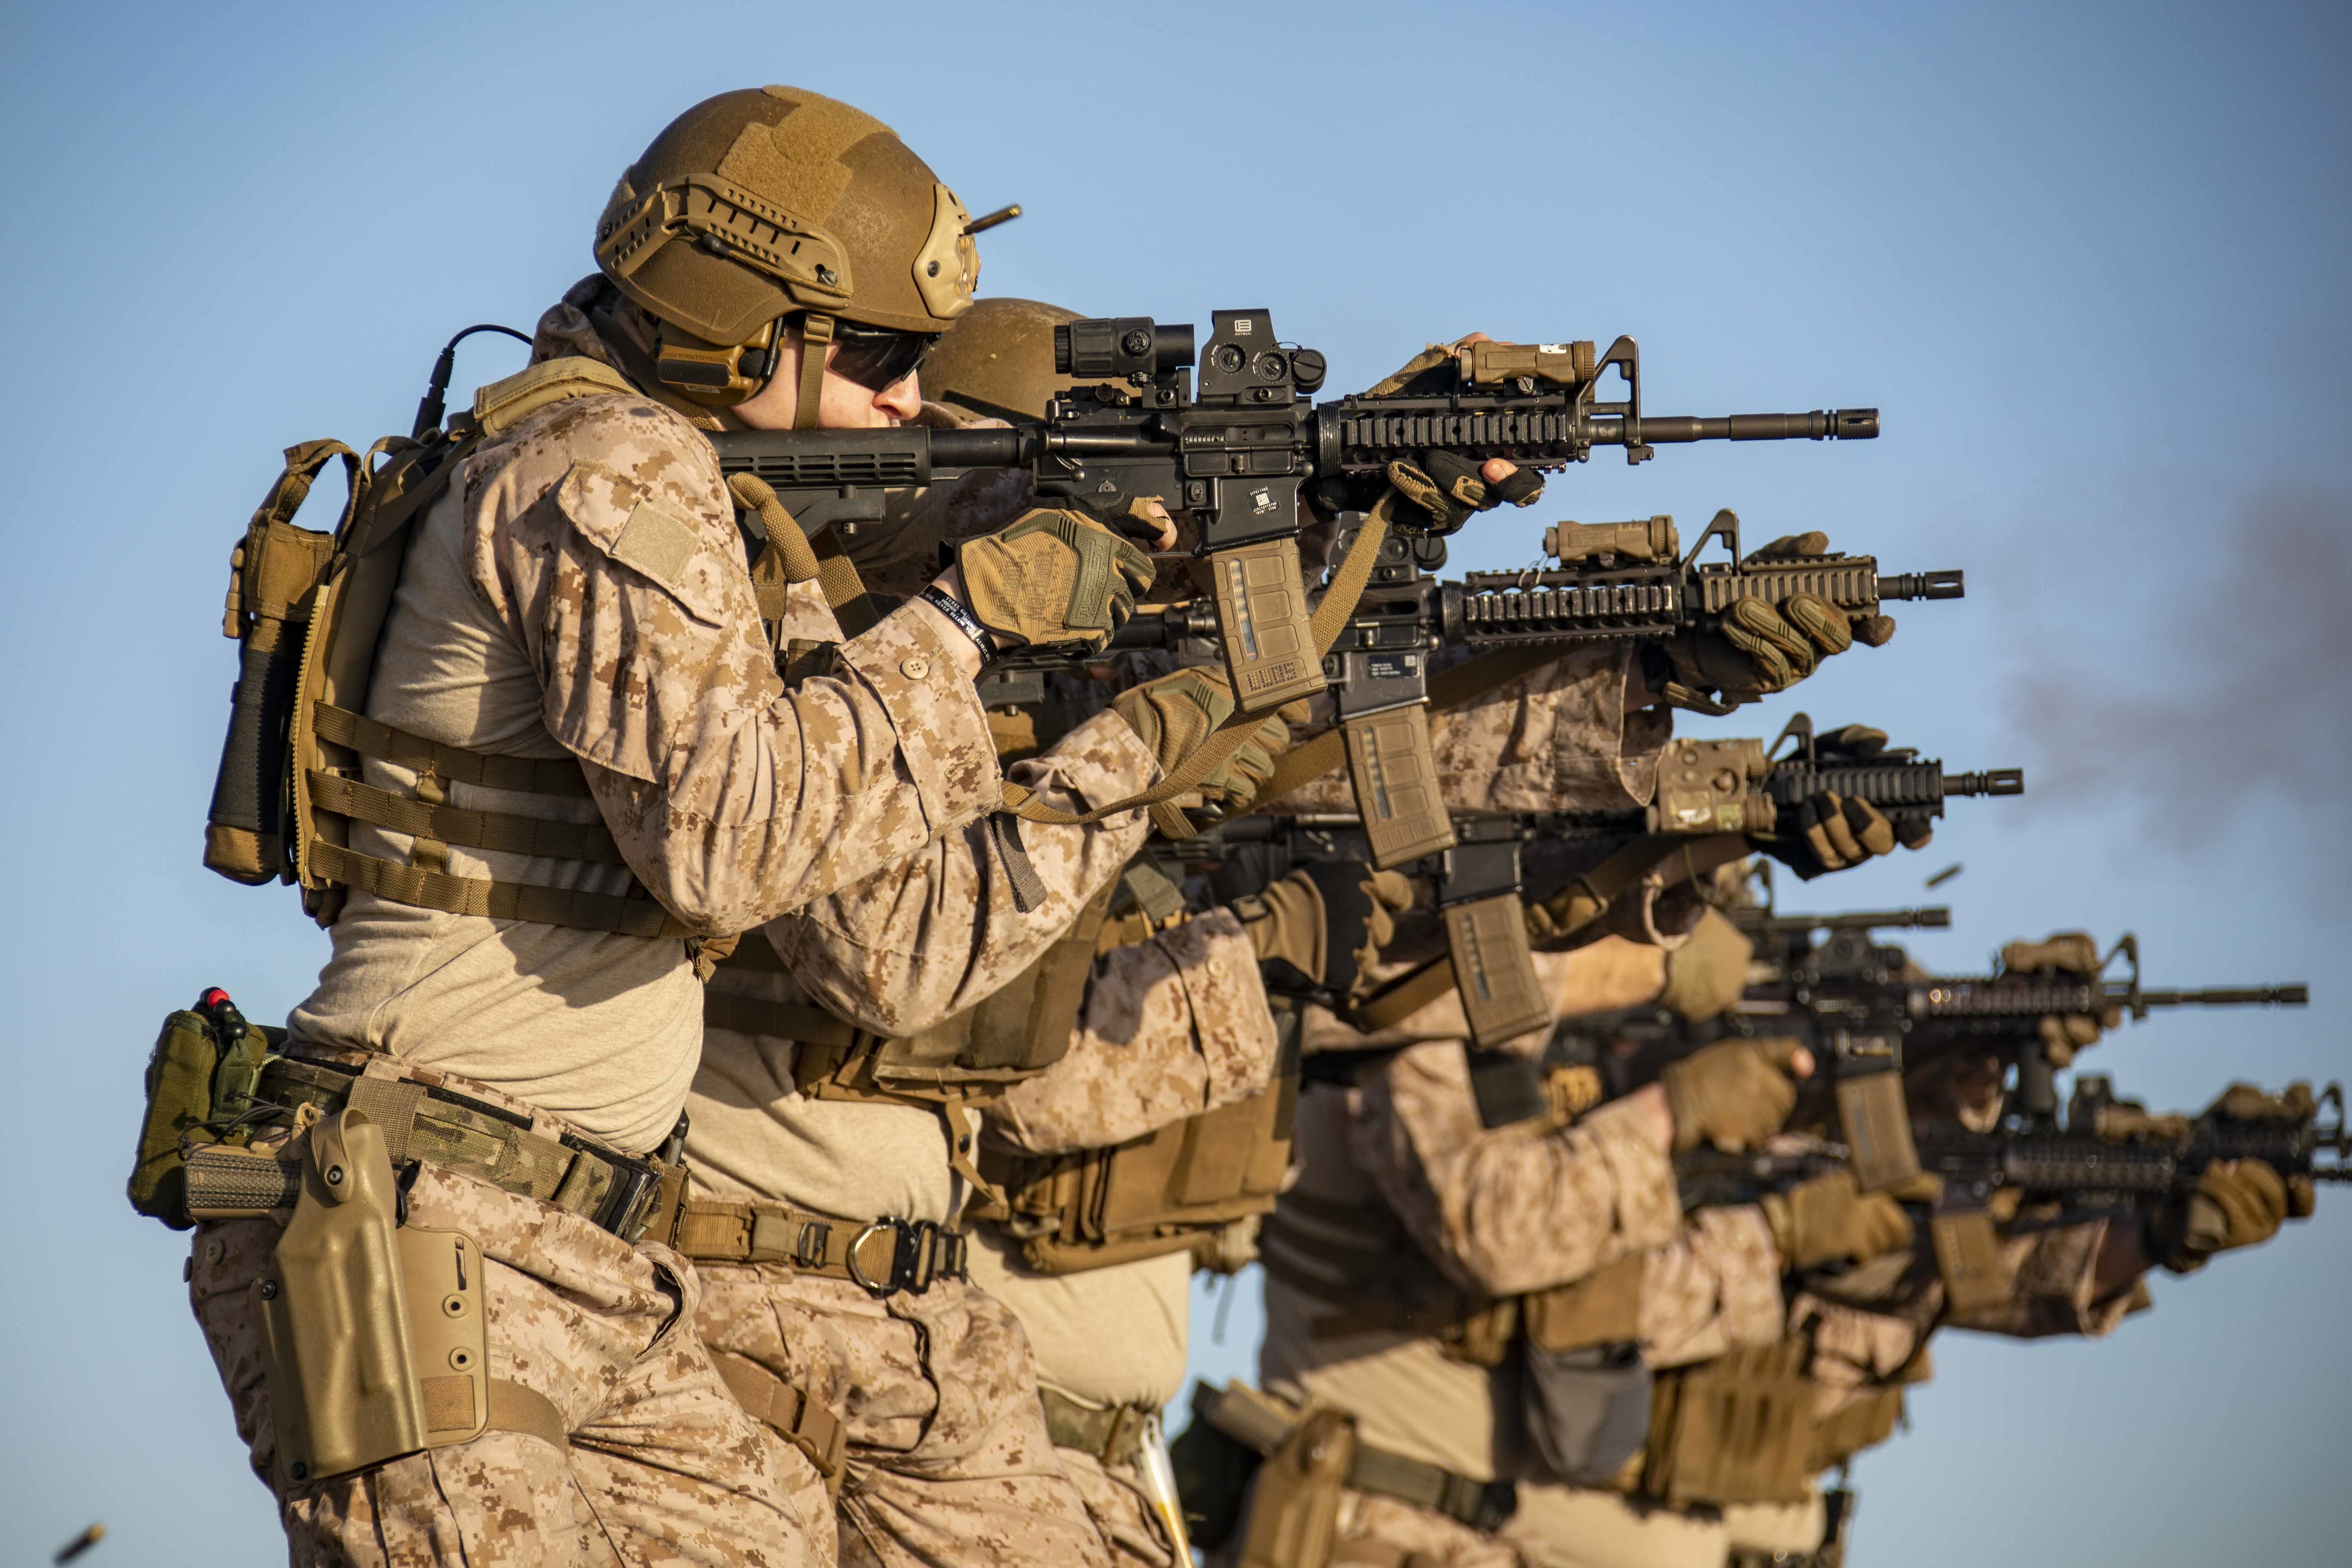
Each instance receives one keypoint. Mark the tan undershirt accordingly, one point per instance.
(600, 1029)
(1107, 1336)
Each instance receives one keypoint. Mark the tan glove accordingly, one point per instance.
(1758, 648)
(1733, 1094)
(2236, 1203)
(1446, 487)
(1173, 714)
(1828, 1219)
(2069, 953)
(1328, 922)
(1828, 832)
(1707, 972)
(1056, 578)
(2295, 1106)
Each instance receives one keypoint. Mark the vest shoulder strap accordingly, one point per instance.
(503, 403)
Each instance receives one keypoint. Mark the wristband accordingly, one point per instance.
(948, 605)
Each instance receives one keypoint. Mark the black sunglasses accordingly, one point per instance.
(877, 358)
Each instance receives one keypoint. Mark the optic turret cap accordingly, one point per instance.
(999, 361)
(757, 203)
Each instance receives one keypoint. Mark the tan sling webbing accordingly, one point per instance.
(1456, 688)
(824, 560)
(1331, 617)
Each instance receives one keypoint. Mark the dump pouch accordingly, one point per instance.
(1588, 1411)
(374, 1338)
(1213, 1468)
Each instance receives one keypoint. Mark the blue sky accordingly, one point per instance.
(2086, 258)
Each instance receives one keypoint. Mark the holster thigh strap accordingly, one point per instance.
(807, 1425)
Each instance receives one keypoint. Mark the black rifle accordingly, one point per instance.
(1853, 1002)
(1610, 581)
(2075, 1164)
(1241, 453)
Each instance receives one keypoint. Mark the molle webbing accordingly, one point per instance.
(1015, 1033)
(433, 823)
(424, 1120)
(1111, 1433)
(1153, 1195)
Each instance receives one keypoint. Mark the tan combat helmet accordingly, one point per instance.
(999, 362)
(756, 205)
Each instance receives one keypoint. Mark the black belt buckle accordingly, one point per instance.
(920, 1252)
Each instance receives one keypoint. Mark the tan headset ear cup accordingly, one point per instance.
(708, 373)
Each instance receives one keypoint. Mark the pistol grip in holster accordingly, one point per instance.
(1261, 619)
(374, 1336)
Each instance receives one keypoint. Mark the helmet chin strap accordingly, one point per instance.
(817, 337)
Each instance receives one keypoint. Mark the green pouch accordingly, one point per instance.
(201, 1081)
(179, 1101)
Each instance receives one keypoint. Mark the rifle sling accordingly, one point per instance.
(1417, 987)
(1331, 617)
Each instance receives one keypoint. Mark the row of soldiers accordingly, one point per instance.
(788, 1040)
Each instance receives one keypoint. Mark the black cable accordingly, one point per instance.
(433, 405)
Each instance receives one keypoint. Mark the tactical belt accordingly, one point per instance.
(1111, 1433)
(536, 1157)
(882, 1256)
(1252, 1422)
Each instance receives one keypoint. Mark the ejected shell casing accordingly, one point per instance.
(1643, 538)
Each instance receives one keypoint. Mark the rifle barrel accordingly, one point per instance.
(1952, 585)
(1673, 429)
(1993, 781)
(2231, 996)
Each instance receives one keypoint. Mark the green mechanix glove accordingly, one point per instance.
(1327, 921)
(1174, 714)
(2070, 953)
(1734, 1094)
(1756, 648)
(1829, 832)
(1058, 577)
(1830, 1220)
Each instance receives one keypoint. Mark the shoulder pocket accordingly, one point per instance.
(658, 539)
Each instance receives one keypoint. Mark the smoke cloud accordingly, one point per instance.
(2230, 696)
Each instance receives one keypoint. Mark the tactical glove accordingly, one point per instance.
(1448, 487)
(1057, 577)
(2071, 952)
(1758, 648)
(1175, 713)
(1328, 921)
(1829, 1220)
(1734, 1094)
(1829, 832)
(2236, 1203)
